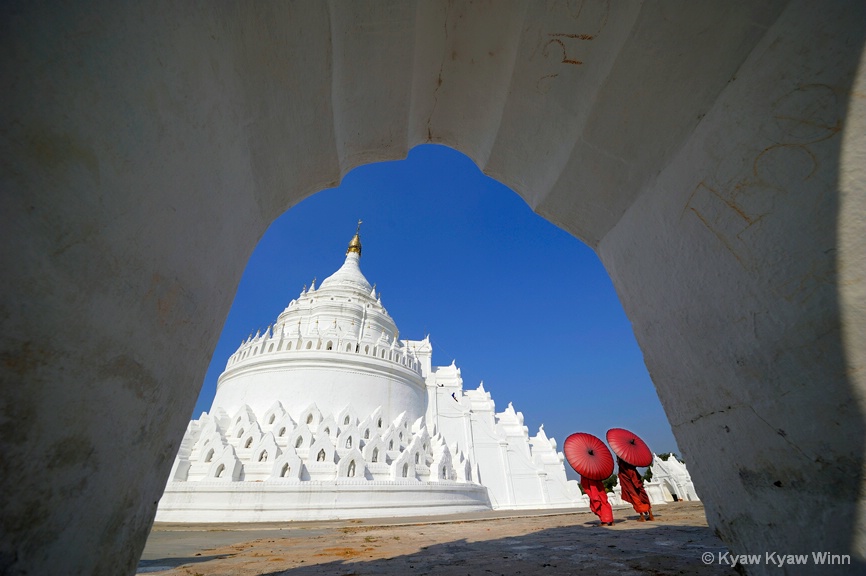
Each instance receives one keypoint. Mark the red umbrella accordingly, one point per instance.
(588, 456)
(628, 446)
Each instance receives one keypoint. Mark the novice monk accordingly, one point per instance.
(633, 490)
(597, 500)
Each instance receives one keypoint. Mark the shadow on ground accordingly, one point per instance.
(479, 549)
(596, 550)
(163, 564)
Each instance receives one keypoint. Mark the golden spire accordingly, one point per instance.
(355, 244)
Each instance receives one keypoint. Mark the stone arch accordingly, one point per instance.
(322, 451)
(267, 444)
(669, 491)
(227, 467)
(311, 416)
(244, 418)
(374, 451)
(365, 426)
(328, 427)
(347, 439)
(274, 413)
(668, 201)
(287, 466)
(402, 468)
(283, 428)
(346, 418)
(442, 464)
(245, 438)
(352, 465)
(300, 439)
(207, 442)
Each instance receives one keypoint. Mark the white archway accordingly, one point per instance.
(707, 170)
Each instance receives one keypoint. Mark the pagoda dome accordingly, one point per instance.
(329, 343)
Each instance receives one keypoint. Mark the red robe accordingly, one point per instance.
(597, 499)
(632, 487)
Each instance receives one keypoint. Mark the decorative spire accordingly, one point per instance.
(355, 244)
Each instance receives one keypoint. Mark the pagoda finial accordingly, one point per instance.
(355, 244)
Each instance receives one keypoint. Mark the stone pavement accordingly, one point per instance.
(491, 543)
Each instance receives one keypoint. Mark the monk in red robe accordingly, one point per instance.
(633, 490)
(597, 500)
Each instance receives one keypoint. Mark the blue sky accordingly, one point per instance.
(517, 302)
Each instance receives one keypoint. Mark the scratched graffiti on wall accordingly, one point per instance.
(784, 172)
(582, 22)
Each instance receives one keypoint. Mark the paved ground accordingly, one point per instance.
(532, 544)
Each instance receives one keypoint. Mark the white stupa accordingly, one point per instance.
(329, 414)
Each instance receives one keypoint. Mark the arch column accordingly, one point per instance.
(732, 266)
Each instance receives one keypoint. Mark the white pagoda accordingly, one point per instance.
(329, 414)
